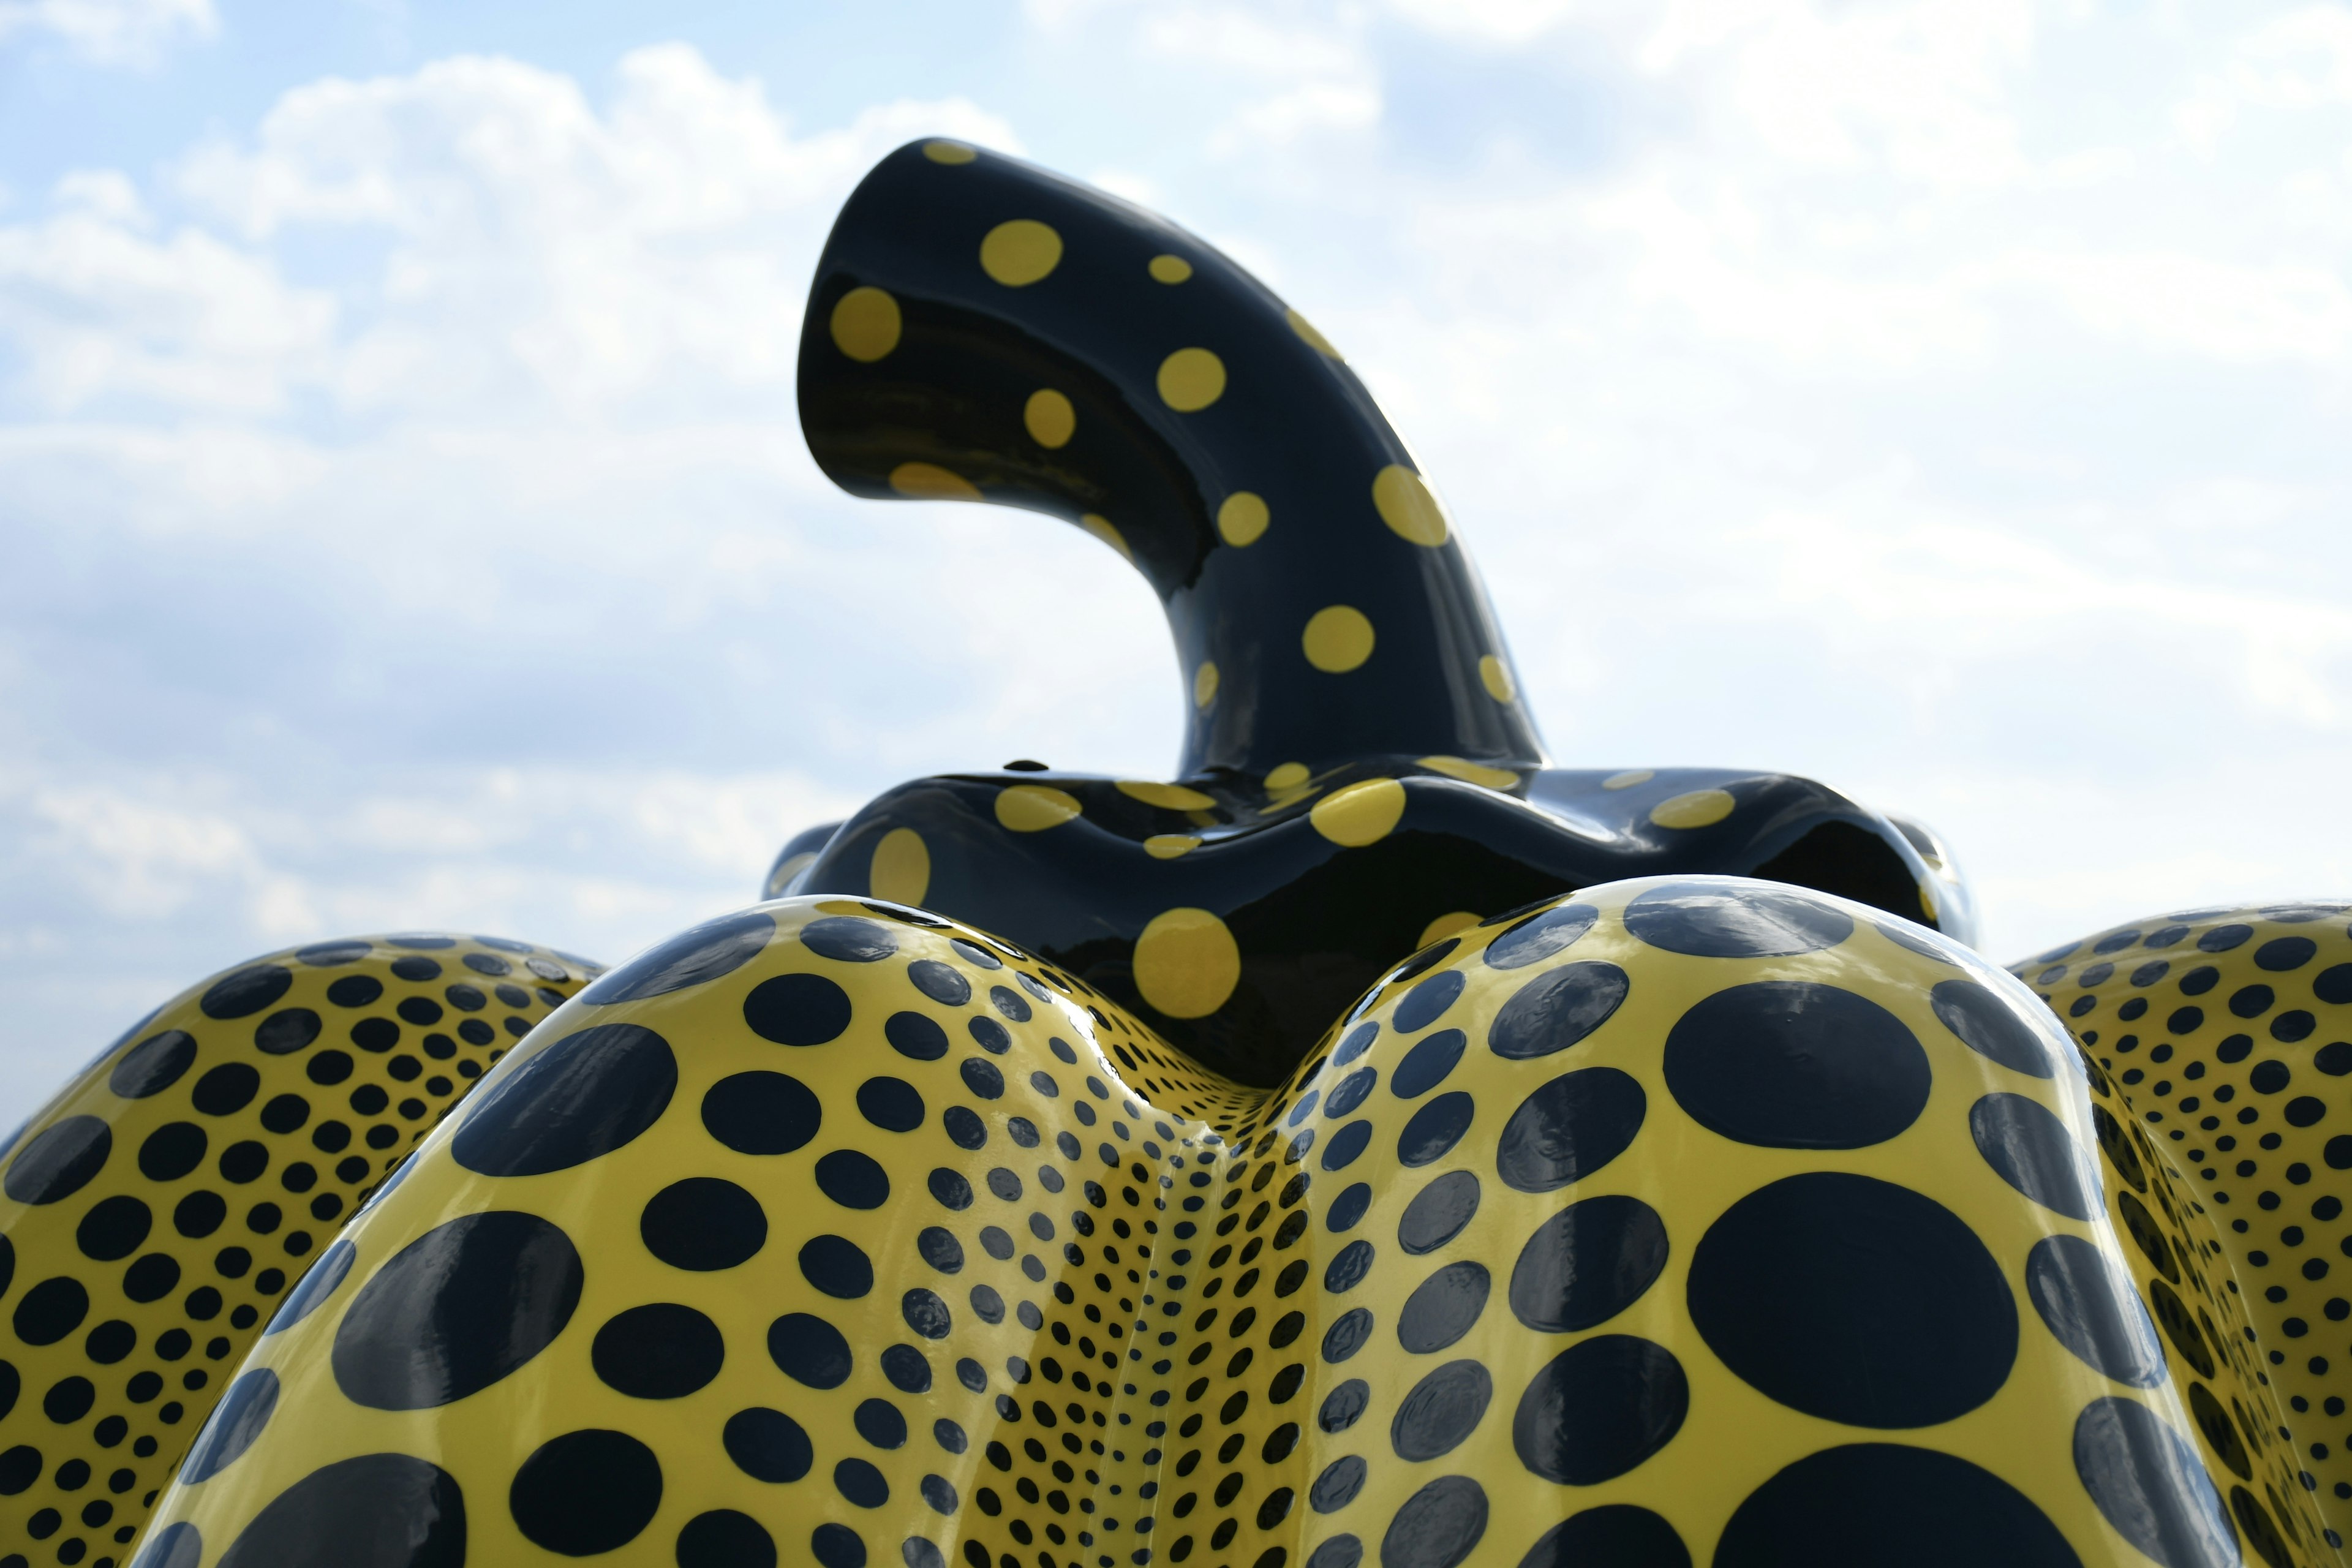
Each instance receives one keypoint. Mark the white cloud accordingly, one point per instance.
(110, 32)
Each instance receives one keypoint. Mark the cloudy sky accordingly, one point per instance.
(404, 519)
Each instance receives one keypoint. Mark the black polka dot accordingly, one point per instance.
(2149, 1483)
(1436, 1527)
(246, 991)
(915, 1037)
(861, 1483)
(849, 939)
(880, 1423)
(904, 1367)
(890, 1103)
(659, 1351)
(1427, 1064)
(1990, 1026)
(690, 958)
(1348, 1334)
(456, 1310)
(797, 1010)
(1599, 1408)
(724, 1538)
(1438, 1212)
(1725, 919)
(386, 1510)
(991, 1036)
(354, 990)
(1347, 1267)
(1443, 1308)
(1339, 1551)
(1614, 1535)
(809, 1350)
(1337, 1487)
(1588, 1263)
(982, 1078)
(227, 1088)
(1540, 936)
(941, 983)
(236, 1422)
(2031, 1149)
(852, 1180)
(837, 1546)
(703, 1223)
(1925, 943)
(586, 1492)
(1350, 1092)
(1556, 1009)
(2089, 1306)
(416, 969)
(1569, 1128)
(1786, 1064)
(112, 1229)
(1885, 1505)
(761, 1112)
(926, 1314)
(318, 1282)
(176, 1546)
(584, 1096)
(1435, 1128)
(1444, 1408)
(1790, 1290)
(1427, 1001)
(50, 1311)
(768, 1445)
(154, 1064)
(837, 1266)
(63, 1158)
(1344, 1405)
(2224, 938)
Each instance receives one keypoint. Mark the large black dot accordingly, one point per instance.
(1727, 918)
(113, 1228)
(50, 1311)
(1588, 1263)
(2088, 1305)
(809, 1350)
(171, 1150)
(1442, 1410)
(378, 1510)
(2031, 1149)
(703, 953)
(890, 1103)
(659, 1351)
(227, 1088)
(456, 1310)
(1433, 1129)
(768, 1445)
(584, 1096)
(1989, 1025)
(761, 1112)
(797, 1010)
(245, 991)
(1884, 1505)
(179, 1545)
(1854, 1299)
(1443, 1308)
(1537, 937)
(1599, 1408)
(283, 1032)
(1614, 1535)
(724, 1538)
(941, 983)
(837, 1546)
(1426, 1065)
(233, 1425)
(1436, 1527)
(1556, 1009)
(1567, 1129)
(1437, 1213)
(850, 939)
(586, 1492)
(703, 1223)
(1427, 1001)
(853, 1180)
(2149, 1483)
(154, 1064)
(1792, 1064)
(60, 1161)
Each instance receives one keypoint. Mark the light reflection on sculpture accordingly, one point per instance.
(1375, 1142)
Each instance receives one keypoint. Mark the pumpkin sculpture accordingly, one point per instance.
(1374, 1145)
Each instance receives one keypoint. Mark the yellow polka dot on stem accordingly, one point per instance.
(900, 870)
(1446, 925)
(1406, 504)
(1285, 776)
(1338, 638)
(1696, 809)
(1168, 845)
(1629, 778)
(1471, 772)
(943, 151)
(1186, 962)
(1170, 268)
(1243, 518)
(1050, 419)
(1204, 684)
(865, 325)
(1362, 814)
(1192, 379)
(1496, 676)
(1019, 253)
(929, 481)
(1102, 528)
(1166, 797)
(1033, 808)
